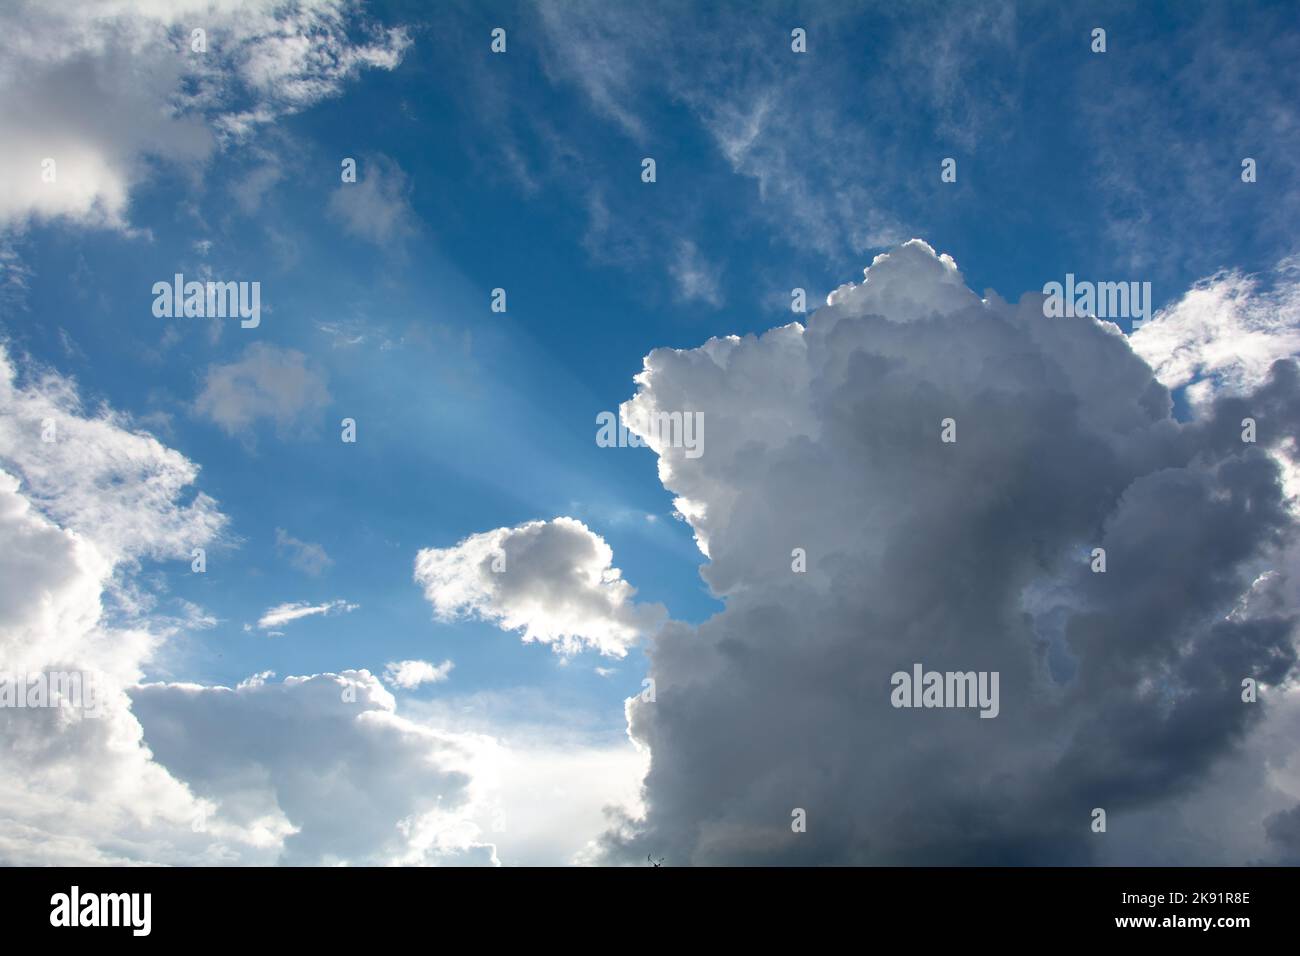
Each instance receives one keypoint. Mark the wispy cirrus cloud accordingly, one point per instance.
(283, 614)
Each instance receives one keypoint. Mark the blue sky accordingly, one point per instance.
(522, 171)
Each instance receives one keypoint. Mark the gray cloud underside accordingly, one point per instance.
(1118, 690)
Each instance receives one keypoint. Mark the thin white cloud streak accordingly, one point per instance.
(282, 614)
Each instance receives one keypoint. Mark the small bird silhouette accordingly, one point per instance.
(660, 862)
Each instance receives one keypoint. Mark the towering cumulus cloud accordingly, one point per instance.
(1119, 690)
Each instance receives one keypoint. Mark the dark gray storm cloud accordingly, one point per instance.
(1119, 690)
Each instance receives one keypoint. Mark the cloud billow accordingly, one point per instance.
(1119, 690)
(552, 580)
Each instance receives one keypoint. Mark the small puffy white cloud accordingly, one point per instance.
(267, 382)
(376, 207)
(306, 556)
(553, 580)
(411, 674)
(282, 614)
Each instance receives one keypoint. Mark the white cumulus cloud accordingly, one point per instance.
(553, 580)
(411, 674)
